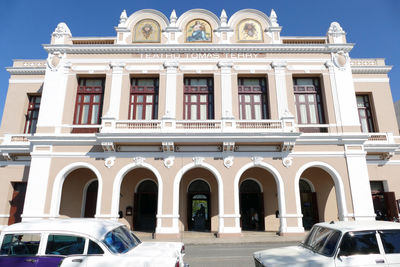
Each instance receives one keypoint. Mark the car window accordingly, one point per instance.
(322, 240)
(65, 245)
(119, 240)
(20, 244)
(391, 241)
(94, 248)
(359, 243)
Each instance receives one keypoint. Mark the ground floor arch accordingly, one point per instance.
(138, 201)
(259, 200)
(320, 194)
(198, 201)
(79, 194)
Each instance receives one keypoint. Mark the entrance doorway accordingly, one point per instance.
(199, 206)
(385, 204)
(309, 206)
(251, 206)
(91, 200)
(17, 202)
(145, 206)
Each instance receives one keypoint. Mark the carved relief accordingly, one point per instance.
(138, 160)
(109, 162)
(257, 160)
(169, 162)
(287, 162)
(340, 60)
(228, 162)
(198, 160)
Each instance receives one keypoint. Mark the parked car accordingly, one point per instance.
(83, 243)
(356, 243)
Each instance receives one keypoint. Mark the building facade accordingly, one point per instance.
(200, 123)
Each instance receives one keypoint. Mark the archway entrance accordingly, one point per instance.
(199, 206)
(258, 197)
(145, 204)
(138, 199)
(74, 191)
(309, 206)
(91, 199)
(318, 197)
(251, 206)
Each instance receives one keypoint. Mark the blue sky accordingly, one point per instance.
(373, 25)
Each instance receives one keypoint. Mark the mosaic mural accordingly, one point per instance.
(249, 30)
(198, 30)
(146, 31)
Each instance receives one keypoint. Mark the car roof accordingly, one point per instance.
(346, 226)
(93, 227)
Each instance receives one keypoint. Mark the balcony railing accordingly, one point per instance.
(192, 126)
(381, 138)
(16, 139)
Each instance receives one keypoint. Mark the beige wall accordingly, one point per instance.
(9, 174)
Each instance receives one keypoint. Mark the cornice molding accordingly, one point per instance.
(198, 48)
(371, 69)
(26, 71)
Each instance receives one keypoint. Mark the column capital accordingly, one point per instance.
(117, 65)
(171, 64)
(225, 64)
(279, 64)
(328, 64)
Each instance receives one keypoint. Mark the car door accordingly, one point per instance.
(20, 250)
(360, 248)
(391, 245)
(68, 248)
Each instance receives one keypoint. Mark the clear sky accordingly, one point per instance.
(373, 25)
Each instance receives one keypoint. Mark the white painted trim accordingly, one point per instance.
(176, 192)
(26, 81)
(4, 216)
(339, 188)
(279, 184)
(371, 80)
(85, 188)
(167, 216)
(294, 229)
(59, 181)
(117, 187)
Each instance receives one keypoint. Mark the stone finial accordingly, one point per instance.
(223, 18)
(123, 18)
(335, 29)
(173, 18)
(62, 30)
(274, 18)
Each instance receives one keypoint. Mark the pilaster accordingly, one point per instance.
(226, 87)
(170, 90)
(281, 88)
(116, 90)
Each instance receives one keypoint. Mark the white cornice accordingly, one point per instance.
(198, 48)
(26, 71)
(370, 69)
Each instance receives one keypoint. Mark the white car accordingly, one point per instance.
(83, 243)
(356, 243)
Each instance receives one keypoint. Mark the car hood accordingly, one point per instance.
(157, 249)
(289, 255)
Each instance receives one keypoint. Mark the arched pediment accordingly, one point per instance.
(150, 14)
(254, 14)
(202, 14)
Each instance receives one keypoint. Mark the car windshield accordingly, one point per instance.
(120, 240)
(322, 240)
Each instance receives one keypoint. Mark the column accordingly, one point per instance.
(226, 87)
(116, 90)
(280, 84)
(344, 97)
(36, 190)
(53, 95)
(359, 183)
(170, 90)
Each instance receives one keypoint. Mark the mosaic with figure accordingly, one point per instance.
(198, 30)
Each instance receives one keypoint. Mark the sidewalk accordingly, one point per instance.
(195, 238)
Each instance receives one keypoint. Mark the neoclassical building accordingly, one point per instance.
(200, 123)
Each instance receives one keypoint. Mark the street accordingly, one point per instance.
(226, 255)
